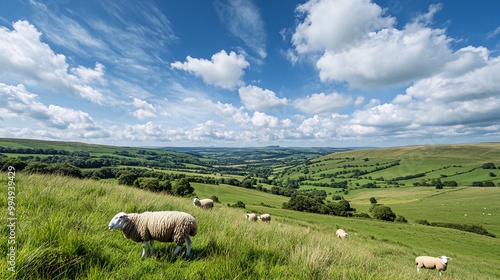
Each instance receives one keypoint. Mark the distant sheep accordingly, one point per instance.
(206, 203)
(265, 218)
(341, 234)
(251, 217)
(439, 264)
(166, 226)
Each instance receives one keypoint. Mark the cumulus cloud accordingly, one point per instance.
(323, 103)
(223, 70)
(25, 58)
(368, 51)
(144, 110)
(17, 102)
(336, 24)
(255, 98)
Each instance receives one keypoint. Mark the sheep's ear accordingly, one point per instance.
(124, 216)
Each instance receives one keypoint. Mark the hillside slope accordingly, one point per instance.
(62, 233)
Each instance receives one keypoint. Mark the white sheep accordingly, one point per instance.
(439, 264)
(165, 226)
(265, 218)
(341, 234)
(206, 203)
(251, 217)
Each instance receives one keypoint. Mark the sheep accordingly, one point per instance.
(206, 203)
(251, 217)
(341, 234)
(265, 218)
(164, 226)
(439, 264)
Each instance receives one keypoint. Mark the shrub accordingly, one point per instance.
(215, 199)
(401, 219)
(238, 204)
(383, 213)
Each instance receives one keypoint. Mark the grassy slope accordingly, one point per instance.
(62, 232)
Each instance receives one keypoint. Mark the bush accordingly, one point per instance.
(182, 187)
(215, 199)
(238, 204)
(401, 219)
(383, 213)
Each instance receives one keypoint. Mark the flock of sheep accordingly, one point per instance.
(175, 226)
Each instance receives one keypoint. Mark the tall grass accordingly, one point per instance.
(62, 234)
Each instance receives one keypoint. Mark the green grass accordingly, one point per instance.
(62, 234)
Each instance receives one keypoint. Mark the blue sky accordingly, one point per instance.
(250, 73)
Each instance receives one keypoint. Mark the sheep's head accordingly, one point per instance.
(196, 201)
(118, 221)
(445, 259)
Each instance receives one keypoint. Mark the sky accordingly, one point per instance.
(243, 73)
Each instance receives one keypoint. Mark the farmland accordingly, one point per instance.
(66, 218)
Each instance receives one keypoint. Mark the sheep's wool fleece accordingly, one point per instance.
(166, 226)
(430, 263)
(206, 203)
(265, 217)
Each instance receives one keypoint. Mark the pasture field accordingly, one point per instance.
(403, 166)
(62, 234)
(231, 194)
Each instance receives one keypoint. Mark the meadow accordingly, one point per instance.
(62, 234)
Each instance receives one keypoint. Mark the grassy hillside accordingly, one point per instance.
(62, 233)
(402, 166)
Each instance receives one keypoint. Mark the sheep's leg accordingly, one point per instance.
(188, 246)
(418, 269)
(152, 247)
(177, 249)
(144, 249)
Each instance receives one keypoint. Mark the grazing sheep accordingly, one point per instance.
(206, 203)
(439, 264)
(265, 218)
(251, 217)
(165, 226)
(341, 234)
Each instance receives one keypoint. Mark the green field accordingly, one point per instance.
(61, 226)
(62, 234)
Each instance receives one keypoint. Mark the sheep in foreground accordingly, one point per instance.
(206, 203)
(265, 218)
(165, 226)
(341, 234)
(251, 217)
(439, 264)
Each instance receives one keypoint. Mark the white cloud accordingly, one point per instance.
(368, 51)
(388, 57)
(323, 103)
(25, 58)
(243, 20)
(88, 75)
(223, 70)
(144, 110)
(255, 98)
(17, 102)
(336, 24)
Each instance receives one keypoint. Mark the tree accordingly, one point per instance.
(127, 178)
(182, 187)
(373, 200)
(383, 213)
(489, 165)
(147, 183)
(14, 162)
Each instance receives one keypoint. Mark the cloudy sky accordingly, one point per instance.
(337, 73)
